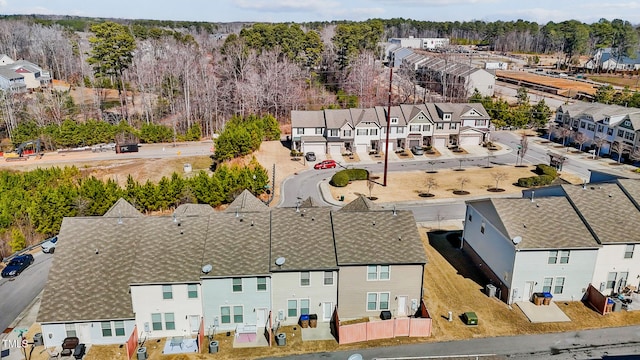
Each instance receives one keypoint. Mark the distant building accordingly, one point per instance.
(420, 43)
(21, 75)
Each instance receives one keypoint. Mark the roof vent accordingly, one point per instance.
(207, 268)
(251, 222)
(516, 240)
(374, 223)
(394, 211)
(280, 261)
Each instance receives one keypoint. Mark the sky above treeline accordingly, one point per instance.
(540, 11)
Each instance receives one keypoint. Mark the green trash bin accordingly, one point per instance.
(470, 318)
(341, 197)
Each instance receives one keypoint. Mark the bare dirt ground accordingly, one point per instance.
(564, 85)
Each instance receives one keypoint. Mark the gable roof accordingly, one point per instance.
(122, 208)
(193, 210)
(607, 210)
(533, 220)
(246, 201)
(311, 202)
(377, 237)
(361, 203)
(307, 119)
(360, 116)
(304, 237)
(337, 118)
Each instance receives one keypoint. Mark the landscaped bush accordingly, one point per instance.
(531, 181)
(342, 178)
(542, 169)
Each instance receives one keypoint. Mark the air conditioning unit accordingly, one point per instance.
(490, 290)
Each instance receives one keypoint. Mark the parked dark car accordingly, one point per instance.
(17, 265)
(311, 156)
(417, 150)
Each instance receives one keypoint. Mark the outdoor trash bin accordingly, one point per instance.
(470, 318)
(547, 298)
(538, 298)
(213, 347)
(281, 339)
(609, 306)
(304, 321)
(313, 320)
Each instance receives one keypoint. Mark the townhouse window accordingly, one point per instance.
(167, 292)
(610, 132)
(453, 126)
(591, 127)
(600, 128)
(378, 272)
(305, 278)
(446, 117)
(394, 120)
(564, 256)
(237, 284)
(238, 316)
(470, 217)
(399, 130)
(553, 257)
(373, 132)
(383, 273)
(156, 321)
(106, 328)
(334, 132)
(328, 277)
(426, 127)
(261, 284)
(70, 329)
(481, 122)
(439, 126)
(546, 284)
(304, 306)
(372, 272)
(361, 132)
(620, 133)
(192, 291)
(582, 124)
(119, 327)
(378, 301)
(414, 128)
(319, 131)
(346, 133)
(559, 286)
(225, 315)
(292, 308)
(611, 280)
(482, 228)
(372, 301)
(628, 251)
(384, 301)
(169, 321)
(299, 131)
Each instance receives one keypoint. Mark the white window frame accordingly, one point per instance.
(453, 126)
(426, 127)
(167, 322)
(394, 120)
(103, 328)
(362, 132)
(300, 301)
(157, 322)
(553, 257)
(233, 285)
(611, 283)
(332, 278)
(415, 128)
(70, 330)
(116, 327)
(289, 308)
(334, 132)
(319, 131)
(191, 288)
(167, 289)
(306, 278)
(378, 301)
(233, 314)
(258, 284)
(547, 284)
(222, 315)
(439, 126)
(629, 250)
(378, 272)
(373, 131)
(446, 117)
(346, 133)
(559, 284)
(299, 131)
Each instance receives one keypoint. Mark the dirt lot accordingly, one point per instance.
(564, 85)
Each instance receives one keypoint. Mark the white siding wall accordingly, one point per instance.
(611, 259)
(148, 299)
(482, 80)
(88, 333)
(286, 286)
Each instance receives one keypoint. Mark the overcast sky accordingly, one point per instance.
(541, 11)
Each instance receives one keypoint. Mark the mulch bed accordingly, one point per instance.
(460, 192)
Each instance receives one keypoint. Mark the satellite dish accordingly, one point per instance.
(280, 261)
(207, 268)
(516, 240)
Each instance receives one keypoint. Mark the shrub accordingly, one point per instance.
(526, 181)
(545, 180)
(531, 181)
(342, 178)
(542, 169)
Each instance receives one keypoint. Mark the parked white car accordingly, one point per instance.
(49, 246)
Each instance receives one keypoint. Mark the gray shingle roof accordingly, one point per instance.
(311, 202)
(238, 245)
(377, 237)
(632, 188)
(546, 223)
(83, 285)
(122, 208)
(246, 202)
(365, 115)
(307, 119)
(608, 211)
(337, 118)
(304, 238)
(361, 203)
(193, 210)
(596, 110)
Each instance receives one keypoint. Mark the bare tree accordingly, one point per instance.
(599, 141)
(498, 176)
(580, 139)
(370, 185)
(618, 148)
(562, 132)
(463, 180)
(431, 183)
(524, 146)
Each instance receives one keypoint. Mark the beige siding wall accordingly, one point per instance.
(405, 280)
(286, 286)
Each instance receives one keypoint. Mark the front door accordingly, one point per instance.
(261, 317)
(194, 323)
(84, 333)
(528, 290)
(327, 311)
(402, 306)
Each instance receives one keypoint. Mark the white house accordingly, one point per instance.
(308, 131)
(420, 125)
(368, 130)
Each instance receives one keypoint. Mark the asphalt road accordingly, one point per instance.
(16, 293)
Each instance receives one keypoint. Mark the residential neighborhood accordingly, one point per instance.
(21, 75)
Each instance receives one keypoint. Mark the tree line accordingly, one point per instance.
(33, 203)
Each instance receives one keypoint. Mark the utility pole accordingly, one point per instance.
(386, 150)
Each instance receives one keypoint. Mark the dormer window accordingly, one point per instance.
(446, 117)
(394, 120)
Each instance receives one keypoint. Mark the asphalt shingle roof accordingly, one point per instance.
(361, 203)
(545, 223)
(377, 237)
(307, 119)
(122, 208)
(246, 202)
(193, 210)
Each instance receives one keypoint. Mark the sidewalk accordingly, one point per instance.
(21, 325)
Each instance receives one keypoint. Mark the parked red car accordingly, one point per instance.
(325, 164)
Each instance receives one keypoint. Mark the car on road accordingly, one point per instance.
(310, 156)
(49, 246)
(325, 164)
(417, 150)
(17, 265)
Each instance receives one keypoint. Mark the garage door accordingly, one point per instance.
(335, 149)
(414, 142)
(318, 148)
(440, 142)
(362, 148)
(469, 140)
